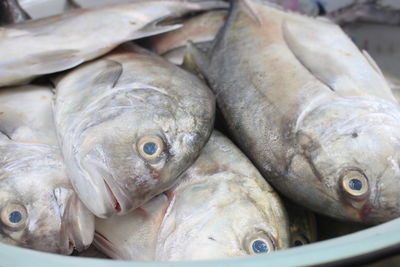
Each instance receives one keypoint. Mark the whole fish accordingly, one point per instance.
(313, 113)
(53, 44)
(129, 124)
(11, 12)
(198, 29)
(39, 208)
(222, 207)
(302, 224)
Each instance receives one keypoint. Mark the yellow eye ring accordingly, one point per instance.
(150, 147)
(355, 184)
(14, 216)
(259, 242)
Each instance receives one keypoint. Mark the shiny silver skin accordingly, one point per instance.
(33, 181)
(219, 208)
(316, 117)
(11, 12)
(106, 110)
(198, 29)
(54, 44)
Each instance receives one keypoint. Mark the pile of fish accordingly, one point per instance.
(127, 146)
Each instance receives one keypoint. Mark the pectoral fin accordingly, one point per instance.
(328, 53)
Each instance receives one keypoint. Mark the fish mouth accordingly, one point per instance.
(78, 226)
(116, 204)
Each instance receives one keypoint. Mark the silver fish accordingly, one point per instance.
(130, 123)
(11, 12)
(53, 44)
(222, 207)
(39, 208)
(316, 117)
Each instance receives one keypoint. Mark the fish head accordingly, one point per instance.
(352, 158)
(140, 153)
(225, 215)
(38, 207)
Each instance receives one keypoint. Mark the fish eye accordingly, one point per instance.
(355, 184)
(299, 240)
(14, 216)
(150, 147)
(261, 243)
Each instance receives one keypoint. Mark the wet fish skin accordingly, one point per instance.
(222, 205)
(322, 118)
(48, 215)
(11, 12)
(54, 44)
(106, 108)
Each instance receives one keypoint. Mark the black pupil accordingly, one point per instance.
(298, 243)
(15, 217)
(150, 148)
(259, 246)
(355, 184)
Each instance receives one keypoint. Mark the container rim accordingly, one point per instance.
(368, 244)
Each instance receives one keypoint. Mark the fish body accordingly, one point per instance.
(221, 207)
(11, 12)
(317, 118)
(129, 124)
(39, 208)
(55, 43)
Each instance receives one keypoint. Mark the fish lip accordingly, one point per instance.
(77, 237)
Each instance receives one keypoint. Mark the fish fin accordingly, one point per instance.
(196, 59)
(55, 61)
(250, 9)
(153, 28)
(109, 75)
(333, 58)
(372, 62)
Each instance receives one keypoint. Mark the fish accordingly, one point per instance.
(317, 118)
(221, 207)
(199, 29)
(54, 44)
(129, 124)
(39, 208)
(11, 12)
(302, 224)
